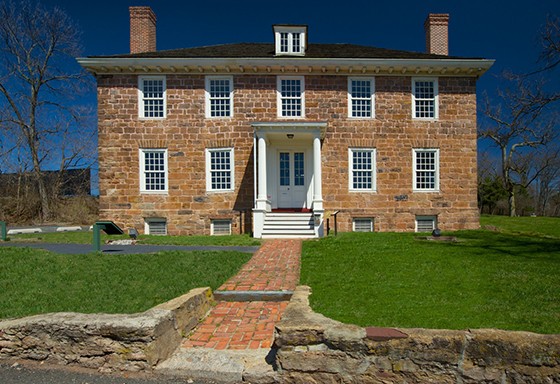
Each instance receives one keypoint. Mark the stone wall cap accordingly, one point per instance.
(384, 334)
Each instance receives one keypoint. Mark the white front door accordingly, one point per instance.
(292, 191)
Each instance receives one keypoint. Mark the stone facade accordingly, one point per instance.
(186, 133)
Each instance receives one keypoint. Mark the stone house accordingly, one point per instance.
(274, 138)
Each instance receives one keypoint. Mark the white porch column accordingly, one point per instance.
(317, 188)
(317, 177)
(262, 193)
(262, 204)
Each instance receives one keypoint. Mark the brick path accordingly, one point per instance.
(250, 325)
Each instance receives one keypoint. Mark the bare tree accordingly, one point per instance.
(523, 124)
(40, 86)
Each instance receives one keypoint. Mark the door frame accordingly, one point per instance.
(299, 194)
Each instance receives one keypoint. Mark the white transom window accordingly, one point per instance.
(362, 169)
(151, 97)
(219, 169)
(291, 101)
(219, 96)
(425, 98)
(426, 169)
(153, 170)
(361, 98)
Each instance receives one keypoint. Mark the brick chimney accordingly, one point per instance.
(142, 30)
(437, 35)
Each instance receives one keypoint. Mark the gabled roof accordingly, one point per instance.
(266, 50)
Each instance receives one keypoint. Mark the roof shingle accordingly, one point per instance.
(266, 50)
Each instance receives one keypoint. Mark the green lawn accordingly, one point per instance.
(489, 279)
(87, 237)
(35, 281)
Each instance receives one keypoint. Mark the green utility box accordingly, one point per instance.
(108, 227)
(3, 232)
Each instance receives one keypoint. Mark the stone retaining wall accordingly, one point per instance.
(315, 349)
(104, 341)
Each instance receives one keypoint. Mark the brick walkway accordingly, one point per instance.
(250, 325)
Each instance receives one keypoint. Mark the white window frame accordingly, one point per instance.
(210, 99)
(432, 218)
(209, 170)
(362, 219)
(415, 187)
(141, 98)
(142, 157)
(351, 170)
(212, 227)
(149, 220)
(290, 33)
(435, 99)
(371, 97)
(280, 98)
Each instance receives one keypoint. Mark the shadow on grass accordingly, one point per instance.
(519, 246)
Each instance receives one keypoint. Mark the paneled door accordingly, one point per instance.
(291, 179)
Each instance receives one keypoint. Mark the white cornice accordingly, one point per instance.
(284, 65)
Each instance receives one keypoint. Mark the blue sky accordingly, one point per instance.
(494, 29)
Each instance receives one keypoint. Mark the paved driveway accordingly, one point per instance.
(75, 249)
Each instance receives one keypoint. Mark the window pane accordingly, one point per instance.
(220, 97)
(220, 170)
(425, 100)
(425, 170)
(154, 171)
(299, 177)
(291, 96)
(153, 97)
(362, 169)
(284, 169)
(361, 98)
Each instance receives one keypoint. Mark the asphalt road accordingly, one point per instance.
(35, 373)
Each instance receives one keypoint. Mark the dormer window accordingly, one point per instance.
(290, 39)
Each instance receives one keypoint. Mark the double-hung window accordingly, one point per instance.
(151, 97)
(219, 169)
(290, 39)
(291, 101)
(361, 98)
(219, 96)
(153, 170)
(425, 98)
(426, 170)
(362, 169)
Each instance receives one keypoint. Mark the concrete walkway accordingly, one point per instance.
(233, 342)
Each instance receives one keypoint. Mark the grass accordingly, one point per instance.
(87, 237)
(35, 281)
(505, 279)
(532, 226)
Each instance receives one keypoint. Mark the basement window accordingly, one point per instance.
(362, 224)
(220, 227)
(155, 226)
(426, 223)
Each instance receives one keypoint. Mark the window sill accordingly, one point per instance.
(151, 118)
(165, 193)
